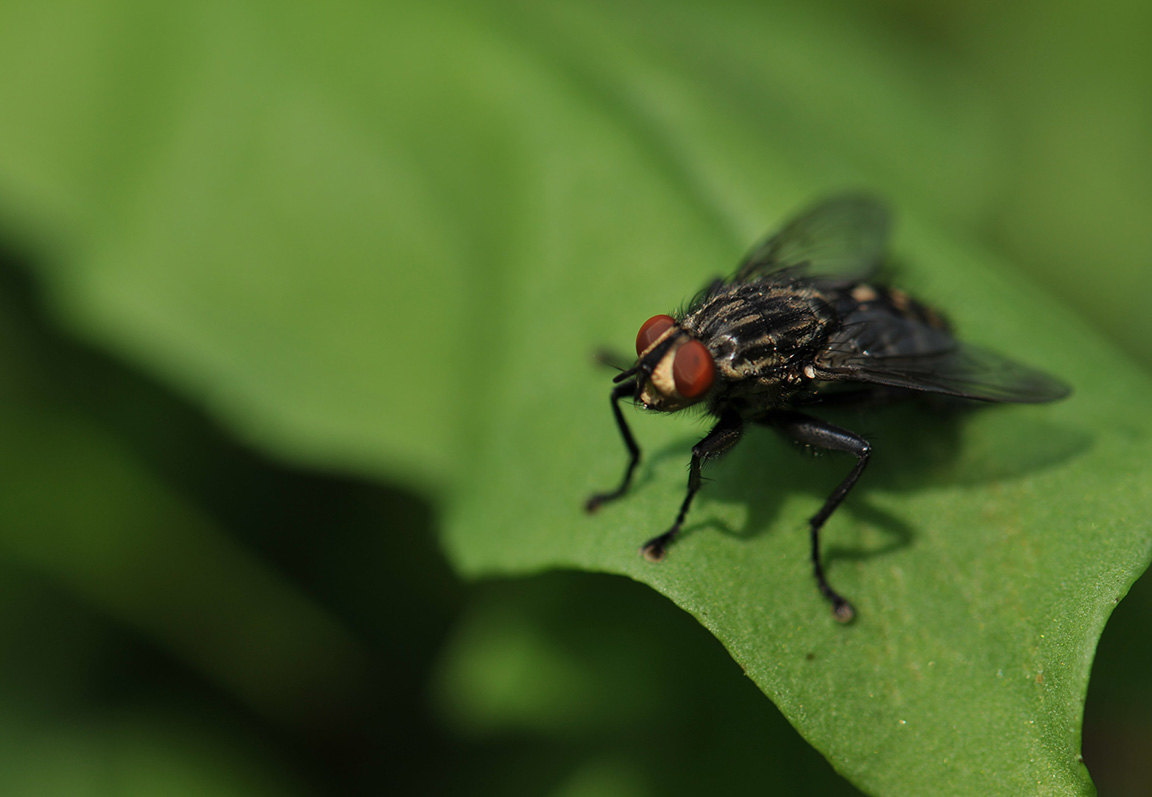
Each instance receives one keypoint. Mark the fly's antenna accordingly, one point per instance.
(647, 363)
(611, 359)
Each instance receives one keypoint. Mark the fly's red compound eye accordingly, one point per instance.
(693, 370)
(653, 328)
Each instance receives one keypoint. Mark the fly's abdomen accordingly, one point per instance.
(879, 322)
(864, 297)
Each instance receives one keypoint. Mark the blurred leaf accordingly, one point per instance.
(85, 513)
(1072, 83)
(633, 695)
(80, 511)
(313, 217)
(263, 240)
(1117, 722)
(133, 754)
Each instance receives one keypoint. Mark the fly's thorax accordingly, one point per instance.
(762, 333)
(732, 358)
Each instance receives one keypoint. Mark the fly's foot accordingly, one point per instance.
(843, 611)
(656, 548)
(596, 500)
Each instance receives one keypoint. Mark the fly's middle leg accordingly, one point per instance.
(820, 434)
(725, 434)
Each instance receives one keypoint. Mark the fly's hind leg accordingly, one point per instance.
(820, 434)
(725, 434)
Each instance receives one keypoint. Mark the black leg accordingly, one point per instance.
(810, 431)
(624, 390)
(725, 434)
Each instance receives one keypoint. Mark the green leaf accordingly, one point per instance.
(388, 240)
(983, 553)
(549, 658)
(85, 513)
(136, 753)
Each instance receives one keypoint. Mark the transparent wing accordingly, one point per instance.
(844, 236)
(905, 353)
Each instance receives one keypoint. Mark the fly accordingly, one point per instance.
(800, 323)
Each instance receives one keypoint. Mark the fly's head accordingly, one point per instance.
(674, 370)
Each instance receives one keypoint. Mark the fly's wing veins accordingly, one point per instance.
(904, 353)
(844, 236)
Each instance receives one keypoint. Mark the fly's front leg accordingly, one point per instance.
(810, 431)
(623, 390)
(725, 434)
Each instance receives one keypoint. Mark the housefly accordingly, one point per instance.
(799, 324)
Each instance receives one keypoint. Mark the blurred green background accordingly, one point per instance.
(254, 275)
